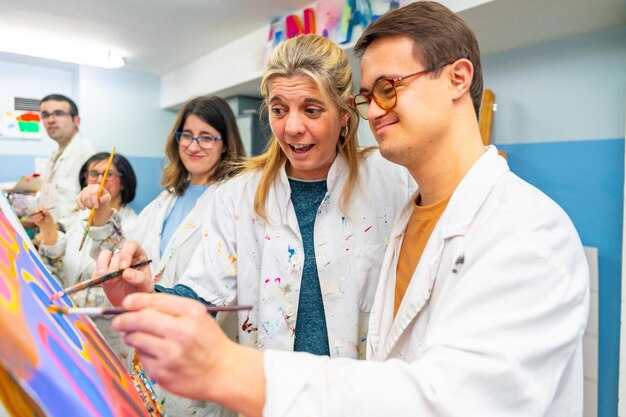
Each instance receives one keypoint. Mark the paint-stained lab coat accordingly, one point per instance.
(147, 231)
(491, 324)
(245, 258)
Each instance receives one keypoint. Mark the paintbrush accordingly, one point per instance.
(39, 211)
(95, 281)
(111, 311)
(93, 210)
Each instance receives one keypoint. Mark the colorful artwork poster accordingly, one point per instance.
(20, 125)
(51, 365)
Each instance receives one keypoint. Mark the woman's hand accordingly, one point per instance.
(88, 199)
(49, 231)
(132, 280)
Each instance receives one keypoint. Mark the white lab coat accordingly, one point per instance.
(60, 183)
(147, 231)
(491, 324)
(260, 263)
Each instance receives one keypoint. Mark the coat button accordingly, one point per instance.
(295, 260)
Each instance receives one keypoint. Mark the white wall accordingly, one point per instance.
(562, 91)
(121, 108)
(117, 107)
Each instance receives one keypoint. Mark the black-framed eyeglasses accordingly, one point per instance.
(93, 174)
(205, 141)
(384, 92)
(57, 113)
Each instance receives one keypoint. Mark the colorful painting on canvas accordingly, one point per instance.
(52, 365)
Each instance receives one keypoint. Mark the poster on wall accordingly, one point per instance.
(52, 364)
(21, 125)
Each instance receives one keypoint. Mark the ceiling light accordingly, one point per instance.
(58, 48)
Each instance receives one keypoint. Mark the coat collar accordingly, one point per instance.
(281, 191)
(187, 228)
(470, 194)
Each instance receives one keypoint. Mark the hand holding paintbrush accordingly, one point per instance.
(93, 210)
(90, 283)
(132, 280)
(42, 218)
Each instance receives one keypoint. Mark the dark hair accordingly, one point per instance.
(439, 37)
(128, 180)
(216, 112)
(61, 97)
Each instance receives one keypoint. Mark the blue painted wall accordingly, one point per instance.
(586, 178)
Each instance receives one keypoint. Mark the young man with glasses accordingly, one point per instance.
(59, 186)
(483, 295)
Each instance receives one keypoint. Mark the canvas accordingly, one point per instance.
(52, 365)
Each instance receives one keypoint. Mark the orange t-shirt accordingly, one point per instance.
(416, 235)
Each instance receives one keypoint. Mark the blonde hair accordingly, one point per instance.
(216, 112)
(326, 64)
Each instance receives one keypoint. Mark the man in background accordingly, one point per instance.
(60, 184)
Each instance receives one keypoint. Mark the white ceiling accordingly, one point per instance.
(154, 36)
(158, 36)
(503, 25)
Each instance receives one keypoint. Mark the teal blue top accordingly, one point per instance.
(311, 330)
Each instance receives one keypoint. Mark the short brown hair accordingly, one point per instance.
(439, 36)
(216, 112)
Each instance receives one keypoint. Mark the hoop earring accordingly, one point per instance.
(344, 131)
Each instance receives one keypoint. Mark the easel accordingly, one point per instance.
(487, 107)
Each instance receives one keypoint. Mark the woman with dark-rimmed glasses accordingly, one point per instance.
(201, 149)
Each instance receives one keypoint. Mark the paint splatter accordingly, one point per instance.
(267, 280)
(267, 236)
(290, 324)
(232, 258)
(349, 237)
(286, 289)
(247, 326)
(219, 247)
(457, 264)
(291, 251)
(236, 217)
(367, 230)
(277, 279)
